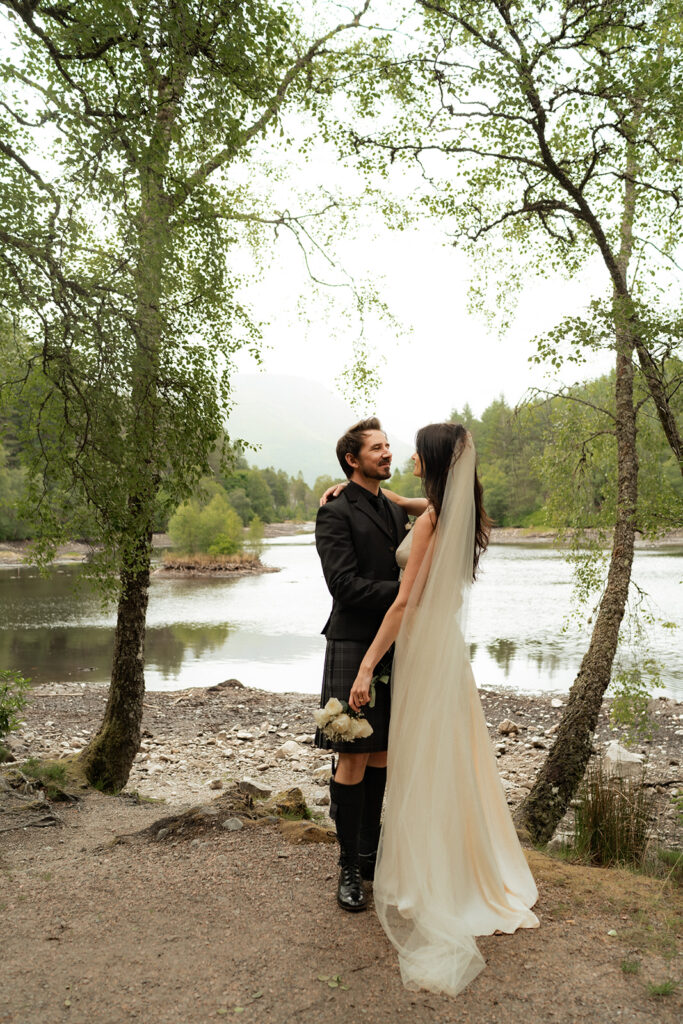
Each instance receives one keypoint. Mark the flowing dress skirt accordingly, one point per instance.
(450, 864)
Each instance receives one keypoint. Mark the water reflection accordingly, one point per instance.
(503, 653)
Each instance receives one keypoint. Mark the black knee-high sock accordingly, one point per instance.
(346, 810)
(374, 781)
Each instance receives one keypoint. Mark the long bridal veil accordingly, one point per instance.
(450, 866)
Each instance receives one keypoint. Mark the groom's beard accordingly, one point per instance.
(381, 471)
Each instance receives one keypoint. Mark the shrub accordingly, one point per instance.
(612, 819)
(12, 700)
(214, 529)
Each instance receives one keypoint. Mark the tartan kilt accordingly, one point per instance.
(342, 661)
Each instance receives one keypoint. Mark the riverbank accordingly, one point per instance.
(17, 552)
(219, 921)
(201, 739)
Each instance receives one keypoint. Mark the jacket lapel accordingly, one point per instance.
(352, 495)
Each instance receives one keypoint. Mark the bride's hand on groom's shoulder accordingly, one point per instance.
(332, 492)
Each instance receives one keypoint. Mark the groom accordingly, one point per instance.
(356, 536)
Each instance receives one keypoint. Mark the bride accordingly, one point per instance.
(450, 866)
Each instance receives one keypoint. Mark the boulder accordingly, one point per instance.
(306, 832)
(288, 750)
(620, 762)
(227, 684)
(288, 804)
(257, 789)
(232, 824)
(507, 727)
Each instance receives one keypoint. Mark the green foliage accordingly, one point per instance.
(612, 819)
(630, 966)
(214, 529)
(255, 535)
(13, 700)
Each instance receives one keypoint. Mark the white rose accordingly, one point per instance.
(334, 707)
(363, 729)
(322, 717)
(342, 724)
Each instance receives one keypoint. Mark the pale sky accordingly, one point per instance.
(445, 357)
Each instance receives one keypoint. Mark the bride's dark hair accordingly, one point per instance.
(439, 445)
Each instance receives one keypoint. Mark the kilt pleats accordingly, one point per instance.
(342, 661)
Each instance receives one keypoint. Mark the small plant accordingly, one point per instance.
(665, 988)
(13, 699)
(46, 771)
(613, 818)
(630, 966)
(672, 860)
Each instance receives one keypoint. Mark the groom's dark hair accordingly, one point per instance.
(352, 441)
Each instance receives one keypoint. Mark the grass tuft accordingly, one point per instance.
(665, 988)
(630, 966)
(613, 819)
(50, 771)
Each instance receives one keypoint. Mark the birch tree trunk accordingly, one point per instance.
(559, 778)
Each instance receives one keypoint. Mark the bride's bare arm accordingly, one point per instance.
(391, 623)
(413, 506)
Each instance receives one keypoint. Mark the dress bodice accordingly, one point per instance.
(403, 550)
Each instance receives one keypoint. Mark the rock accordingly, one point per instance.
(559, 841)
(162, 833)
(254, 788)
(244, 735)
(305, 737)
(556, 703)
(227, 684)
(322, 775)
(322, 800)
(288, 749)
(306, 832)
(289, 804)
(507, 726)
(552, 730)
(619, 761)
(536, 741)
(216, 784)
(232, 824)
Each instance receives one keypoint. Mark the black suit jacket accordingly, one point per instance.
(358, 554)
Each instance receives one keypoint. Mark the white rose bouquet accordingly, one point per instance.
(340, 724)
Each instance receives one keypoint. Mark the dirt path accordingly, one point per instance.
(213, 924)
(243, 924)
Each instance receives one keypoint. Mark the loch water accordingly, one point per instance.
(265, 630)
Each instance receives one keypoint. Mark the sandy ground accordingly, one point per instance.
(208, 924)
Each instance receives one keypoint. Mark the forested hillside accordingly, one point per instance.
(534, 461)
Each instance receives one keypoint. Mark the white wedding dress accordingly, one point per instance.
(450, 866)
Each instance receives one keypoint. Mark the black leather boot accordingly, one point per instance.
(374, 781)
(346, 809)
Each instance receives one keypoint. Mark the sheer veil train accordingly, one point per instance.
(450, 865)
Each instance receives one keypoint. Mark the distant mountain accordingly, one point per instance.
(296, 422)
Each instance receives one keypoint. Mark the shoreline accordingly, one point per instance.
(201, 739)
(13, 553)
